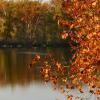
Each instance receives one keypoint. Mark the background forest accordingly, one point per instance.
(29, 22)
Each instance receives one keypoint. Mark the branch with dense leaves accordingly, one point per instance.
(85, 63)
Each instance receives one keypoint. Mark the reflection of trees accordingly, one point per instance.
(14, 65)
(14, 68)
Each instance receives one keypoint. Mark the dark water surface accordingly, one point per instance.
(17, 82)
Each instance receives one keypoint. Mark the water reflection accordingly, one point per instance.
(32, 92)
(13, 68)
(18, 82)
(14, 65)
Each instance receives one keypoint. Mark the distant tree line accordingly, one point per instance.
(29, 21)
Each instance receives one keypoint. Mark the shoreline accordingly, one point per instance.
(7, 44)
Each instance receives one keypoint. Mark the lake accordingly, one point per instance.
(18, 82)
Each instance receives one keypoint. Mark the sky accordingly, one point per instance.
(44, 0)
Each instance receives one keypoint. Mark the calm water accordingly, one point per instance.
(17, 82)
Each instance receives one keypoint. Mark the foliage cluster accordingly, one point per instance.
(84, 67)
